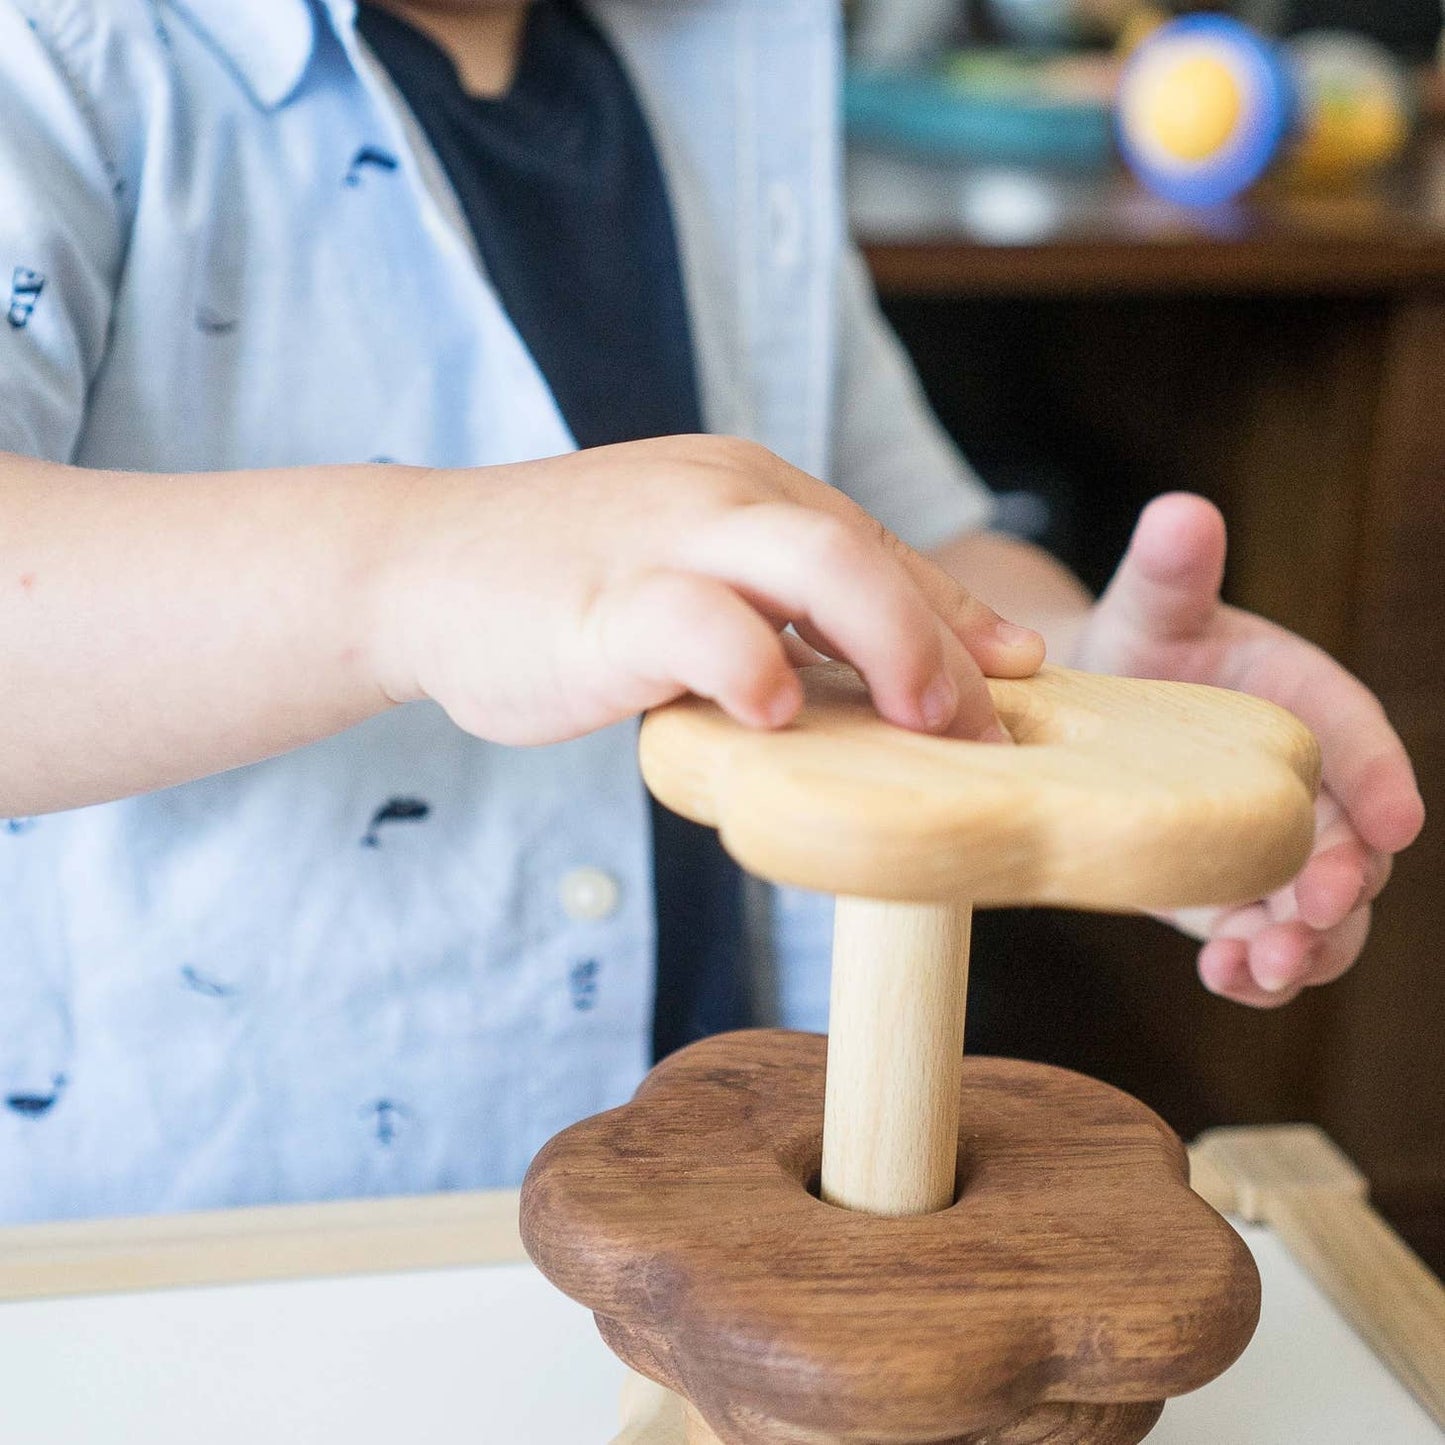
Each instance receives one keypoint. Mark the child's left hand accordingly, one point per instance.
(1162, 617)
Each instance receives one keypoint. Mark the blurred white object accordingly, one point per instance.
(1008, 206)
(891, 33)
(892, 197)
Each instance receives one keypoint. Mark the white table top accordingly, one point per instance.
(492, 1355)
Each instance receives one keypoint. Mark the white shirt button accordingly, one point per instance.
(589, 895)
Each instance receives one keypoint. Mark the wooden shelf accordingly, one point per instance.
(931, 230)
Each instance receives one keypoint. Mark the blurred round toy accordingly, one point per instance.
(1204, 104)
(1356, 107)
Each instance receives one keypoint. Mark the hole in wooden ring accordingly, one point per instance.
(813, 1183)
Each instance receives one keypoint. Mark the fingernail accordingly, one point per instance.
(1012, 635)
(940, 702)
(1282, 983)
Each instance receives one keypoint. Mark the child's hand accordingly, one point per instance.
(541, 601)
(1162, 617)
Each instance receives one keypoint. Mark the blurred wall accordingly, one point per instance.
(1410, 26)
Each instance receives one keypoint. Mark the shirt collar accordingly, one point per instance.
(268, 43)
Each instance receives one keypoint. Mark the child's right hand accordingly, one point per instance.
(541, 601)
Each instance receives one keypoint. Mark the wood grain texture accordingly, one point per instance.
(1378, 1081)
(1077, 1267)
(1297, 1181)
(1122, 795)
(946, 268)
(895, 1052)
(1258, 1165)
(1043, 1425)
(224, 1246)
(1376, 1281)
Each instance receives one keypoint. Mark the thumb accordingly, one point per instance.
(1167, 586)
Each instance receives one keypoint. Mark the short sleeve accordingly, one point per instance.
(60, 245)
(889, 452)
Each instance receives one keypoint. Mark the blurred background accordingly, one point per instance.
(1124, 267)
(894, 29)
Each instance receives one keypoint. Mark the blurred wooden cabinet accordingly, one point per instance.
(1288, 360)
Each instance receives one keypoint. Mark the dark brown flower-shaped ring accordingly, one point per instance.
(1075, 1284)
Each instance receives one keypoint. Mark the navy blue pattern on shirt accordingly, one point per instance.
(25, 288)
(565, 196)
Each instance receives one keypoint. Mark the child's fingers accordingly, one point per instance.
(1280, 957)
(1285, 958)
(971, 721)
(1166, 588)
(976, 717)
(1377, 875)
(676, 632)
(1224, 970)
(1333, 884)
(1253, 959)
(1366, 767)
(1338, 950)
(1306, 935)
(1328, 888)
(1260, 961)
(1001, 648)
(850, 591)
(1342, 875)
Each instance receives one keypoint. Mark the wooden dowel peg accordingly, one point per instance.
(895, 1055)
(1076, 1282)
(651, 1414)
(696, 1430)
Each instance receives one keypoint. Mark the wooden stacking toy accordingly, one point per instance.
(873, 1240)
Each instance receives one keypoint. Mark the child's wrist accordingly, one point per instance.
(392, 573)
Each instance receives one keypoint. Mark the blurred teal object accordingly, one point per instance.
(981, 108)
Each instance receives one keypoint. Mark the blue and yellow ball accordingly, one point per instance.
(1204, 106)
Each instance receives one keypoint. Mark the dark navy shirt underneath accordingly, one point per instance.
(565, 197)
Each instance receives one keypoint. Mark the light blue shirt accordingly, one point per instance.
(400, 959)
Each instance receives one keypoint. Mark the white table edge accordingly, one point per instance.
(1291, 1178)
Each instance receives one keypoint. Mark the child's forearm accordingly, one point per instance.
(154, 629)
(157, 628)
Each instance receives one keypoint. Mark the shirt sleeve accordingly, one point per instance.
(889, 452)
(60, 244)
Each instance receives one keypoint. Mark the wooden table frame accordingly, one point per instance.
(1292, 1179)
